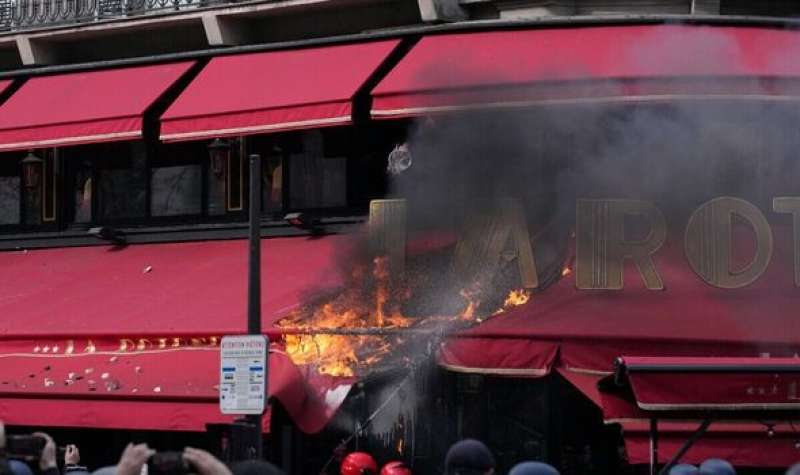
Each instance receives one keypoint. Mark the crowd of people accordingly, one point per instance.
(466, 457)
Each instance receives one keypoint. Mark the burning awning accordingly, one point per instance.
(84, 107)
(689, 324)
(586, 331)
(579, 64)
(273, 91)
(105, 329)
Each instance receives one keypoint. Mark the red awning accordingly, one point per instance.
(4, 85)
(86, 107)
(589, 63)
(106, 329)
(742, 444)
(721, 384)
(587, 330)
(273, 91)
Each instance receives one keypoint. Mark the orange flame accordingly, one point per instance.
(516, 298)
(342, 355)
(372, 300)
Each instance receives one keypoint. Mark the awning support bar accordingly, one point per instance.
(686, 446)
(653, 446)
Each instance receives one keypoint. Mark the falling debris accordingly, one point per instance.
(138, 370)
(49, 382)
(147, 269)
(113, 359)
(104, 376)
(157, 389)
(88, 370)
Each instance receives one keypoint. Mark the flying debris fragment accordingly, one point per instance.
(399, 160)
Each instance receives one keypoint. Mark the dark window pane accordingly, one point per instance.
(176, 190)
(121, 194)
(49, 186)
(9, 199)
(82, 191)
(272, 185)
(318, 182)
(235, 178)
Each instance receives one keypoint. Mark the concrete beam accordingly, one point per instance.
(441, 10)
(34, 53)
(222, 31)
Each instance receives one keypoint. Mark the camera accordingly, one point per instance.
(25, 447)
(168, 463)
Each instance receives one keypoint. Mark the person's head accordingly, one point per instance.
(395, 468)
(358, 463)
(469, 457)
(533, 468)
(684, 469)
(717, 467)
(794, 469)
(255, 467)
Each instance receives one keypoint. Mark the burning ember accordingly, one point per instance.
(517, 297)
(362, 326)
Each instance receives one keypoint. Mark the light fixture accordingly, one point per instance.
(219, 152)
(304, 221)
(107, 233)
(31, 170)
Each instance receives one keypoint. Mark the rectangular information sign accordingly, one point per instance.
(243, 374)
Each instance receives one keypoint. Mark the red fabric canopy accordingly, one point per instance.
(669, 384)
(580, 333)
(578, 63)
(586, 330)
(743, 445)
(86, 107)
(273, 91)
(130, 335)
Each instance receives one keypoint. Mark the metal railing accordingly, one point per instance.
(30, 14)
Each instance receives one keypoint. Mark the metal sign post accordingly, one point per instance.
(244, 362)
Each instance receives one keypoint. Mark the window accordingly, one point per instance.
(176, 182)
(10, 191)
(176, 190)
(32, 205)
(318, 173)
(105, 182)
(303, 170)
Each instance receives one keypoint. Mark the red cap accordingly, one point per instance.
(395, 468)
(358, 463)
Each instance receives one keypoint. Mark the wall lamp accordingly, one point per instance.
(107, 233)
(305, 222)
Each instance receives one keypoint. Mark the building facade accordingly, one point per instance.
(469, 144)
